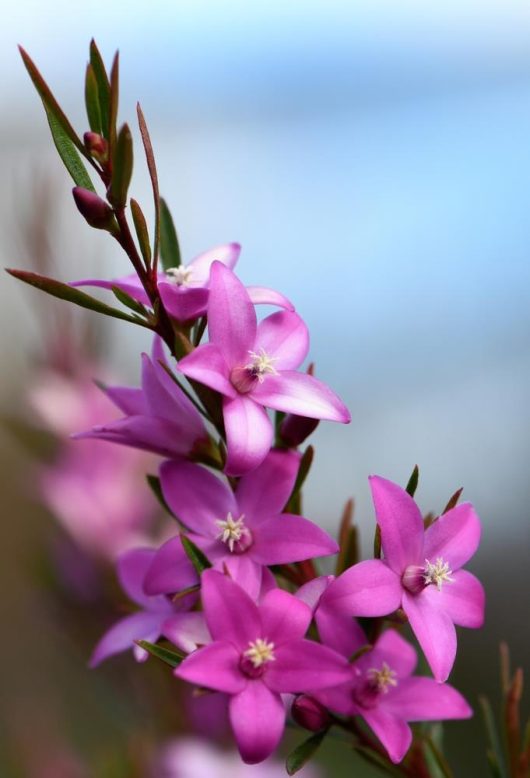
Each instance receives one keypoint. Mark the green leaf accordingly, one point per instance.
(453, 500)
(50, 103)
(72, 295)
(171, 657)
(156, 488)
(304, 752)
(169, 244)
(348, 540)
(495, 754)
(373, 758)
(412, 484)
(92, 100)
(195, 555)
(303, 472)
(140, 225)
(438, 766)
(151, 165)
(184, 592)
(129, 301)
(113, 101)
(122, 166)
(103, 85)
(377, 542)
(68, 153)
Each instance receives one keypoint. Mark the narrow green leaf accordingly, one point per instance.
(412, 484)
(497, 758)
(122, 166)
(184, 592)
(304, 752)
(195, 555)
(72, 295)
(129, 301)
(92, 100)
(156, 488)
(373, 758)
(169, 244)
(453, 500)
(68, 153)
(438, 766)
(347, 540)
(171, 657)
(50, 103)
(151, 165)
(140, 225)
(377, 542)
(103, 85)
(113, 100)
(303, 472)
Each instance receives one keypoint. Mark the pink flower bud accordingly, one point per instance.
(95, 210)
(96, 146)
(309, 713)
(295, 429)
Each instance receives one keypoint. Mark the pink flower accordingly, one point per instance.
(184, 289)
(159, 417)
(383, 691)
(149, 622)
(421, 572)
(254, 367)
(245, 530)
(257, 653)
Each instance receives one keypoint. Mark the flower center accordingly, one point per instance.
(260, 652)
(234, 533)
(376, 681)
(383, 678)
(180, 276)
(261, 365)
(437, 573)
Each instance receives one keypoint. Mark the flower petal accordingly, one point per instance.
(170, 570)
(146, 433)
(131, 568)
(129, 400)
(305, 666)
(434, 630)
(339, 698)
(164, 399)
(207, 365)
(230, 612)
(454, 536)
(288, 538)
(264, 492)
(422, 699)
(369, 588)
(261, 295)
(312, 591)
(244, 571)
(401, 524)
(257, 716)
(130, 284)
(121, 636)
(284, 337)
(226, 253)
(339, 631)
(197, 496)
(231, 316)
(393, 732)
(463, 599)
(249, 434)
(301, 394)
(215, 666)
(284, 617)
(188, 631)
(183, 303)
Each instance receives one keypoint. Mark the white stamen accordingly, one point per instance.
(259, 652)
(383, 678)
(231, 530)
(437, 573)
(261, 365)
(180, 276)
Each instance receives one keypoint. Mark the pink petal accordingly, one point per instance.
(230, 612)
(263, 492)
(215, 666)
(339, 698)
(257, 717)
(284, 337)
(170, 570)
(207, 365)
(463, 599)
(288, 538)
(454, 536)
(369, 588)
(393, 732)
(244, 570)
(312, 591)
(227, 254)
(260, 295)
(401, 524)
(161, 436)
(183, 303)
(396, 652)
(305, 666)
(284, 617)
(231, 316)
(188, 631)
(129, 400)
(164, 399)
(196, 496)
(249, 434)
(302, 394)
(132, 567)
(121, 636)
(434, 630)
(422, 699)
(130, 284)
(339, 630)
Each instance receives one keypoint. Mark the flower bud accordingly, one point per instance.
(95, 210)
(295, 429)
(96, 146)
(309, 713)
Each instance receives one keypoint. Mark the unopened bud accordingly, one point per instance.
(309, 713)
(96, 146)
(95, 210)
(295, 429)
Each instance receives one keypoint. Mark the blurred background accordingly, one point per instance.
(373, 159)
